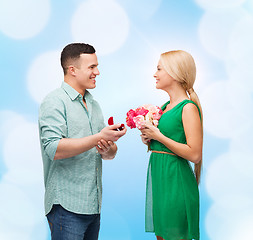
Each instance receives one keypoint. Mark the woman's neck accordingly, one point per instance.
(177, 94)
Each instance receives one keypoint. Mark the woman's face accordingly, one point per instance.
(163, 79)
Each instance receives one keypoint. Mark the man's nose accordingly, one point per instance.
(96, 71)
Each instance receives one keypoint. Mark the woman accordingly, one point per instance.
(172, 198)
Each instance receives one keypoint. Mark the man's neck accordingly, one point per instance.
(72, 83)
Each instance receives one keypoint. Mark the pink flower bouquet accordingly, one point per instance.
(136, 118)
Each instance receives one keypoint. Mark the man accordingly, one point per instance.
(73, 140)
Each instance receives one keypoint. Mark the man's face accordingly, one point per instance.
(86, 71)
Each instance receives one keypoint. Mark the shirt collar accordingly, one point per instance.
(88, 96)
(73, 94)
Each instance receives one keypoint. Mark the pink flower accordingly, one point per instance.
(146, 113)
(139, 121)
(156, 116)
(141, 111)
(129, 120)
(131, 113)
(130, 123)
(150, 107)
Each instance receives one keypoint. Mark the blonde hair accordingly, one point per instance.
(181, 66)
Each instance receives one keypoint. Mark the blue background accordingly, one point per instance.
(217, 34)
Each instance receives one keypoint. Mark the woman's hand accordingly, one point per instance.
(145, 140)
(150, 132)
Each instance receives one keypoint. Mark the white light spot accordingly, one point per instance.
(244, 228)
(23, 213)
(147, 8)
(241, 72)
(243, 143)
(237, 157)
(45, 74)
(216, 4)
(101, 23)
(22, 154)
(227, 108)
(240, 43)
(215, 29)
(8, 120)
(21, 210)
(21, 186)
(23, 19)
(225, 177)
(224, 219)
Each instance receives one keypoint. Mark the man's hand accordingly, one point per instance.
(104, 146)
(106, 149)
(109, 134)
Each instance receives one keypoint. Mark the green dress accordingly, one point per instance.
(172, 196)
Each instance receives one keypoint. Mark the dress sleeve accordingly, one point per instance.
(52, 125)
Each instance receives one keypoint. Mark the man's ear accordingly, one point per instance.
(72, 70)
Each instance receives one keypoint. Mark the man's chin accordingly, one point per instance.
(91, 87)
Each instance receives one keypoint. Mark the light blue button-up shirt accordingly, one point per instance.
(76, 182)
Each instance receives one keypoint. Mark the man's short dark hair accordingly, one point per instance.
(72, 52)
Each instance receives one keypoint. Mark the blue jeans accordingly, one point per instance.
(65, 225)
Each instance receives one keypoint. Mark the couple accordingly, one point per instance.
(74, 139)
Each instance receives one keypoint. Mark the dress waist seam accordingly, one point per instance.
(162, 152)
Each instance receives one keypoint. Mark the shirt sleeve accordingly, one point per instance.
(52, 125)
(102, 125)
(100, 116)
